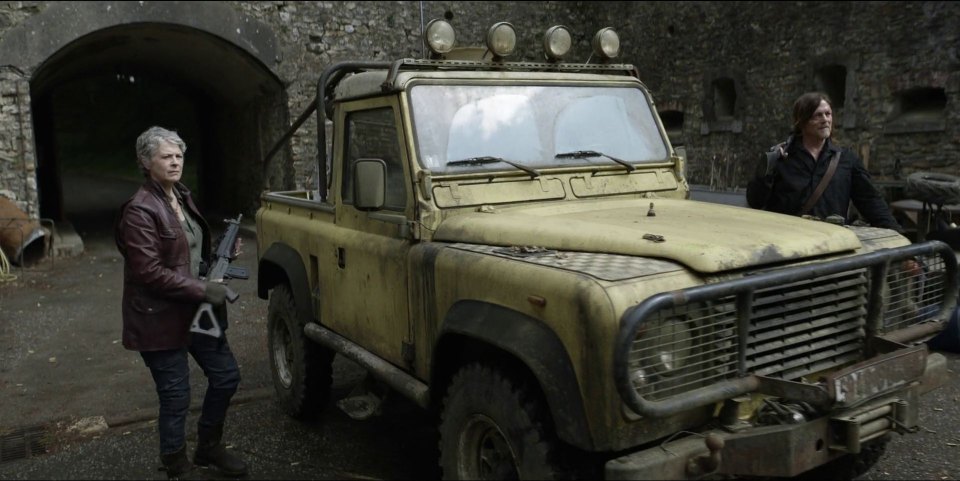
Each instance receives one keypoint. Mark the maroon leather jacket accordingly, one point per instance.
(160, 297)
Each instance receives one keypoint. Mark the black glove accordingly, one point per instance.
(215, 293)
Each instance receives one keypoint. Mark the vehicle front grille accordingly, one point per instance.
(691, 347)
(807, 327)
(795, 329)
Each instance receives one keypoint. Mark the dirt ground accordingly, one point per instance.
(60, 326)
(60, 349)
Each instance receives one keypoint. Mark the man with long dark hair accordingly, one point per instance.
(793, 183)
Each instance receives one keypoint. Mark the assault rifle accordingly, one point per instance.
(221, 269)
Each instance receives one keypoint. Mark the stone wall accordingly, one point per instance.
(773, 50)
(17, 164)
(18, 180)
(729, 70)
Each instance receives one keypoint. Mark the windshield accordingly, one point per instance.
(532, 126)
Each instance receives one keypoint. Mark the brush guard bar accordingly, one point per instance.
(879, 337)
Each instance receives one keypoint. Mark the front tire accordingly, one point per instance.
(495, 427)
(302, 370)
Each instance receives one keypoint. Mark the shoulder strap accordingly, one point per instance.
(822, 186)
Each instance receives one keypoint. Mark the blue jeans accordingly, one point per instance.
(171, 374)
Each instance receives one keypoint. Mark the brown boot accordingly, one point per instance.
(176, 463)
(210, 451)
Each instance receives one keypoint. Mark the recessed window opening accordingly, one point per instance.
(724, 98)
(921, 104)
(672, 122)
(832, 80)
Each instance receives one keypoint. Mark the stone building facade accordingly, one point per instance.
(234, 75)
(731, 71)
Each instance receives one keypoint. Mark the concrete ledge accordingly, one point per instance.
(66, 241)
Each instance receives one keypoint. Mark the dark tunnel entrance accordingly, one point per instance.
(93, 98)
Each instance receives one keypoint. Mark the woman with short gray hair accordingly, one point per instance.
(163, 239)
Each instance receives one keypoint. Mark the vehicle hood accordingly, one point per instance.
(705, 237)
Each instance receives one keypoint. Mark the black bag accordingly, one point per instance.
(761, 187)
(772, 156)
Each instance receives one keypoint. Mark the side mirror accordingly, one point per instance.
(369, 184)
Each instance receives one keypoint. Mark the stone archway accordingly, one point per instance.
(102, 72)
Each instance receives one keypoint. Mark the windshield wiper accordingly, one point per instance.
(580, 154)
(494, 160)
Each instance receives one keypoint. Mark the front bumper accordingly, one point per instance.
(783, 450)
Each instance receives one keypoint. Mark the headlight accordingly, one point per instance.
(683, 349)
(668, 348)
(660, 353)
(439, 36)
(502, 39)
(557, 42)
(606, 43)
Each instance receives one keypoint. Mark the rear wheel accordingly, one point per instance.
(495, 427)
(302, 370)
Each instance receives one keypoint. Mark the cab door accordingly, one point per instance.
(370, 302)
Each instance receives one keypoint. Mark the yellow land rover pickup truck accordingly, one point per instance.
(512, 245)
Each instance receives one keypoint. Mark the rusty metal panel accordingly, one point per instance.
(876, 376)
(778, 451)
(773, 451)
(24, 443)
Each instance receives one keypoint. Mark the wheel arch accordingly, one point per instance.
(477, 331)
(282, 263)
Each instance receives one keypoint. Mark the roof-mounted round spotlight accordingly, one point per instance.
(606, 43)
(502, 39)
(557, 42)
(439, 36)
